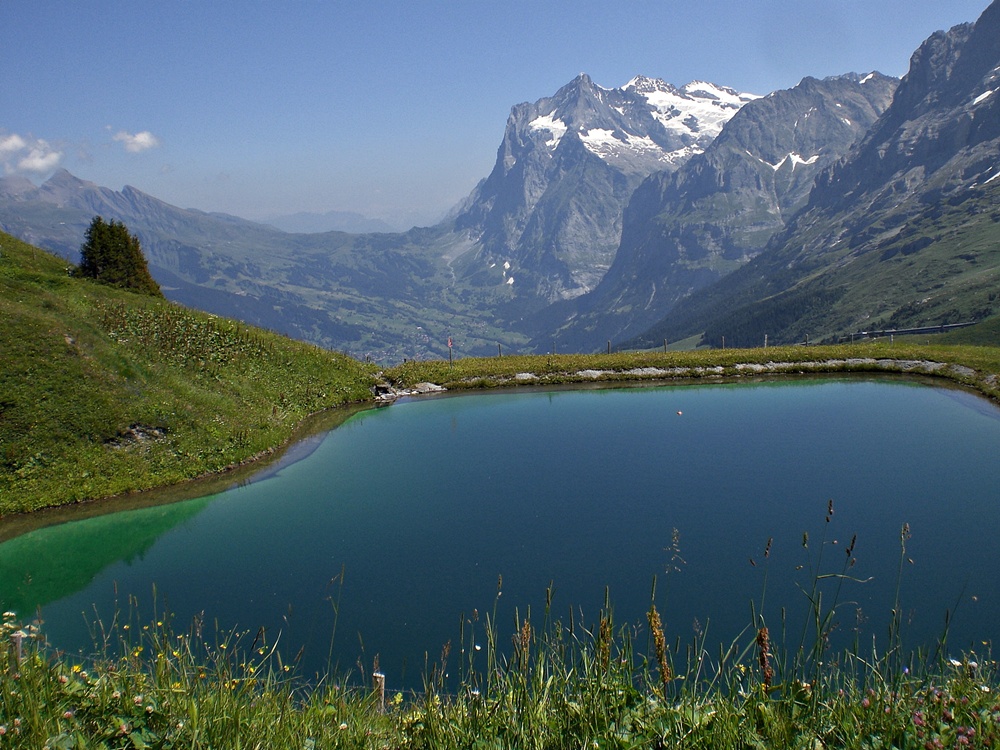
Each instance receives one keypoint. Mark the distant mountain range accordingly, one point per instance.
(630, 215)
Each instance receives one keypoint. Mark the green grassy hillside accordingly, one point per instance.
(104, 392)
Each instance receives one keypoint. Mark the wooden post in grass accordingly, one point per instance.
(499, 350)
(378, 685)
(609, 346)
(16, 649)
(449, 352)
(664, 346)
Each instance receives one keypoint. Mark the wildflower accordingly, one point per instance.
(137, 700)
(67, 714)
(76, 669)
(865, 703)
(343, 725)
(3, 729)
(63, 679)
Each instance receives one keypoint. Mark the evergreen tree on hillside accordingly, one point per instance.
(113, 256)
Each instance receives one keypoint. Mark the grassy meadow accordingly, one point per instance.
(104, 392)
(534, 684)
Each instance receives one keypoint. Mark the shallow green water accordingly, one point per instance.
(426, 503)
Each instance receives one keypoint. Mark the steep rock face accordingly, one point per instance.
(898, 233)
(942, 123)
(687, 228)
(547, 220)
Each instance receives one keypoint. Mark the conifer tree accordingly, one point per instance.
(113, 256)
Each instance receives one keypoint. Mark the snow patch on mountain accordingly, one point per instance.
(792, 157)
(556, 128)
(646, 125)
(697, 107)
(983, 97)
(609, 143)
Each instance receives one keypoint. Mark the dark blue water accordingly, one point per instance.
(424, 504)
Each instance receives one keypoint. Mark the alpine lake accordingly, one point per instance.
(408, 527)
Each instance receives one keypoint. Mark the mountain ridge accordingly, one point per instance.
(901, 232)
(687, 228)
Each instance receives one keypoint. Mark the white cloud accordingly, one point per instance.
(137, 142)
(11, 143)
(27, 154)
(40, 159)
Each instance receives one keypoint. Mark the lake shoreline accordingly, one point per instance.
(640, 368)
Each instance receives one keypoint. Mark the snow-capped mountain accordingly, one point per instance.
(644, 126)
(684, 229)
(547, 221)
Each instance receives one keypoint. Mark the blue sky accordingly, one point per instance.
(393, 109)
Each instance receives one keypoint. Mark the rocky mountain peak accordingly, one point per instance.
(944, 121)
(15, 185)
(551, 208)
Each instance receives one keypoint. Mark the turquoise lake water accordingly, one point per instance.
(423, 505)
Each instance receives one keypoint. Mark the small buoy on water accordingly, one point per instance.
(679, 413)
